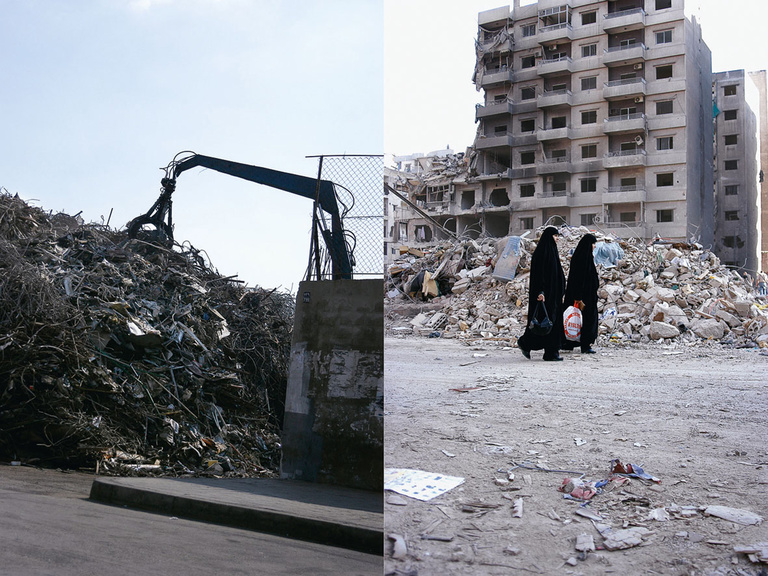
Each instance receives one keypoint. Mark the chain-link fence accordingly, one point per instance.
(358, 187)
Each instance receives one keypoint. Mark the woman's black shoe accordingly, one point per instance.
(557, 358)
(526, 353)
(588, 351)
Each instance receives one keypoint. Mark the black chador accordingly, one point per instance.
(546, 278)
(583, 283)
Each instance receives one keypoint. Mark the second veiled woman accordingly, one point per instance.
(583, 283)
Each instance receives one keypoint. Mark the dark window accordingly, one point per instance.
(557, 153)
(500, 129)
(731, 164)
(558, 187)
(558, 122)
(731, 139)
(628, 182)
(529, 30)
(527, 157)
(733, 242)
(589, 185)
(665, 179)
(627, 216)
(526, 223)
(589, 151)
(663, 71)
(528, 62)
(730, 114)
(731, 214)
(589, 83)
(729, 90)
(664, 107)
(664, 143)
(528, 93)
(589, 117)
(732, 190)
(665, 215)
(528, 125)
(527, 190)
(588, 219)
(664, 37)
(589, 50)
(662, 4)
(588, 17)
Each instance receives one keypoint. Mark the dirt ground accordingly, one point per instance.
(694, 417)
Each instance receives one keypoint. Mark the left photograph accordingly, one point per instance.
(191, 312)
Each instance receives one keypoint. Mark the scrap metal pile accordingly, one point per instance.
(130, 358)
(657, 292)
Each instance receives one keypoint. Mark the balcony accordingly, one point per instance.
(554, 98)
(552, 198)
(624, 194)
(624, 55)
(553, 165)
(493, 76)
(483, 142)
(556, 66)
(498, 42)
(627, 88)
(624, 123)
(625, 158)
(624, 228)
(544, 134)
(632, 19)
(493, 109)
(555, 33)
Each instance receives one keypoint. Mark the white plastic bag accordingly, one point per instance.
(572, 323)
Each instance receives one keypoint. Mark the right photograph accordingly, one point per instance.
(575, 290)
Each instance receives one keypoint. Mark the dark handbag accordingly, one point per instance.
(540, 324)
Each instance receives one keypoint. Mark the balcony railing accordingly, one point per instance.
(555, 60)
(614, 49)
(624, 117)
(553, 27)
(619, 153)
(554, 194)
(634, 188)
(623, 13)
(624, 82)
(619, 224)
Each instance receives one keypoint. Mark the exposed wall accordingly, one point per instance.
(333, 431)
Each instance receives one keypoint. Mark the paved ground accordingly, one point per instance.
(694, 417)
(50, 527)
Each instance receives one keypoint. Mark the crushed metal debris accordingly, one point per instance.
(131, 358)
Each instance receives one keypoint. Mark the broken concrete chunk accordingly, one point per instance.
(744, 517)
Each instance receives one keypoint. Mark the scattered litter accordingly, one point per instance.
(579, 441)
(395, 500)
(399, 549)
(449, 454)
(632, 471)
(418, 484)
(755, 552)
(585, 543)
(517, 508)
(736, 515)
(623, 538)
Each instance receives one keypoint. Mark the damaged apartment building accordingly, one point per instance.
(598, 114)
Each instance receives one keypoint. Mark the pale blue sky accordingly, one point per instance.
(99, 94)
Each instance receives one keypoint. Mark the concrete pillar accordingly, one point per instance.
(333, 430)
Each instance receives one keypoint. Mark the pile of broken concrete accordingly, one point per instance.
(129, 357)
(658, 291)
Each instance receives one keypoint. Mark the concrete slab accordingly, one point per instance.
(331, 515)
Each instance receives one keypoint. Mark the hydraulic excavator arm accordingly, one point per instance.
(321, 191)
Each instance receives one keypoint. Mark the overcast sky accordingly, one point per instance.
(99, 94)
(430, 58)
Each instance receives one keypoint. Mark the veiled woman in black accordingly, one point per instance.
(547, 284)
(583, 283)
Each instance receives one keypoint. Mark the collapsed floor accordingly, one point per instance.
(657, 292)
(132, 358)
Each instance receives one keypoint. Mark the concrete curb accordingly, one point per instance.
(252, 517)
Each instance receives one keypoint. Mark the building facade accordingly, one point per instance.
(738, 177)
(597, 114)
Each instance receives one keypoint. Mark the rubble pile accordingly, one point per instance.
(133, 358)
(656, 292)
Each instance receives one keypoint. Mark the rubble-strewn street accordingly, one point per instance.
(648, 457)
(129, 358)
(692, 417)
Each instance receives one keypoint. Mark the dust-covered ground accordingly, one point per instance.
(694, 417)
